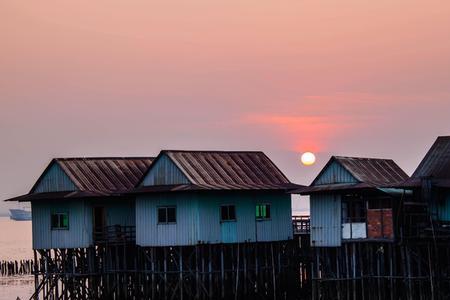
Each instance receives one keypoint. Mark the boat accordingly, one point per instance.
(20, 214)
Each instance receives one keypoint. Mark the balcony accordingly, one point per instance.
(301, 224)
(116, 234)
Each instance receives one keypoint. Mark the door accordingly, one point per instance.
(99, 222)
(325, 210)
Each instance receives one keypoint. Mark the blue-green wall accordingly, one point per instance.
(335, 173)
(55, 180)
(325, 211)
(198, 218)
(164, 172)
(80, 233)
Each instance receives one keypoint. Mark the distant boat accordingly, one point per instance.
(20, 214)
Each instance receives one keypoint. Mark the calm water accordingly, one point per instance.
(15, 244)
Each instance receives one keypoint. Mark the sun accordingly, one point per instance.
(308, 158)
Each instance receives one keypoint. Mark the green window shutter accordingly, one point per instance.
(65, 221)
(263, 211)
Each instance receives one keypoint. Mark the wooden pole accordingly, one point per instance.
(430, 266)
(222, 272)
(236, 290)
(210, 273)
(181, 272)
(273, 274)
(36, 276)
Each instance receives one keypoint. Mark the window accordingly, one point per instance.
(167, 214)
(227, 213)
(353, 209)
(263, 211)
(60, 221)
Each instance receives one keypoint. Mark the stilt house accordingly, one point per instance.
(350, 201)
(79, 201)
(195, 197)
(430, 183)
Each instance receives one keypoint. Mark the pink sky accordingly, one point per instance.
(96, 78)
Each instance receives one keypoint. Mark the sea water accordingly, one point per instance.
(15, 244)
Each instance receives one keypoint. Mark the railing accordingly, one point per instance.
(115, 234)
(301, 224)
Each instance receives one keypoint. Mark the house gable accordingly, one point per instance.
(334, 173)
(54, 179)
(164, 172)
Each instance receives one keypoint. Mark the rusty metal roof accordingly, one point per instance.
(103, 173)
(369, 172)
(373, 171)
(229, 170)
(435, 166)
(436, 162)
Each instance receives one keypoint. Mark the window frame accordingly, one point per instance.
(261, 218)
(166, 208)
(353, 209)
(59, 227)
(222, 206)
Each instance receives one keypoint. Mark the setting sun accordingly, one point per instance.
(308, 158)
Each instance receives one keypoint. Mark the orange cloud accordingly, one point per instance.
(301, 133)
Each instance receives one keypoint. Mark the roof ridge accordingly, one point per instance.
(362, 158)
(212, 151)
(103, 158)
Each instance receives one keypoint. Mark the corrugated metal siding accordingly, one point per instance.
(55, 180)
(212, 231)
(325, 220)
(279, 227)
(335, 173)
(150, 233)
(79, 234)
(164, 172)
(247, 228)
(228, 231)
(198, 219)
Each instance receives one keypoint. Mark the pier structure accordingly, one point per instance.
(122, 271)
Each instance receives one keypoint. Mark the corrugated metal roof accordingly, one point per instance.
(229, 170)
(373, 171)
(370, 173)
(105, 173)
(436, 162)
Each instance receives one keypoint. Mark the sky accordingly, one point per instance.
(125, 78)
